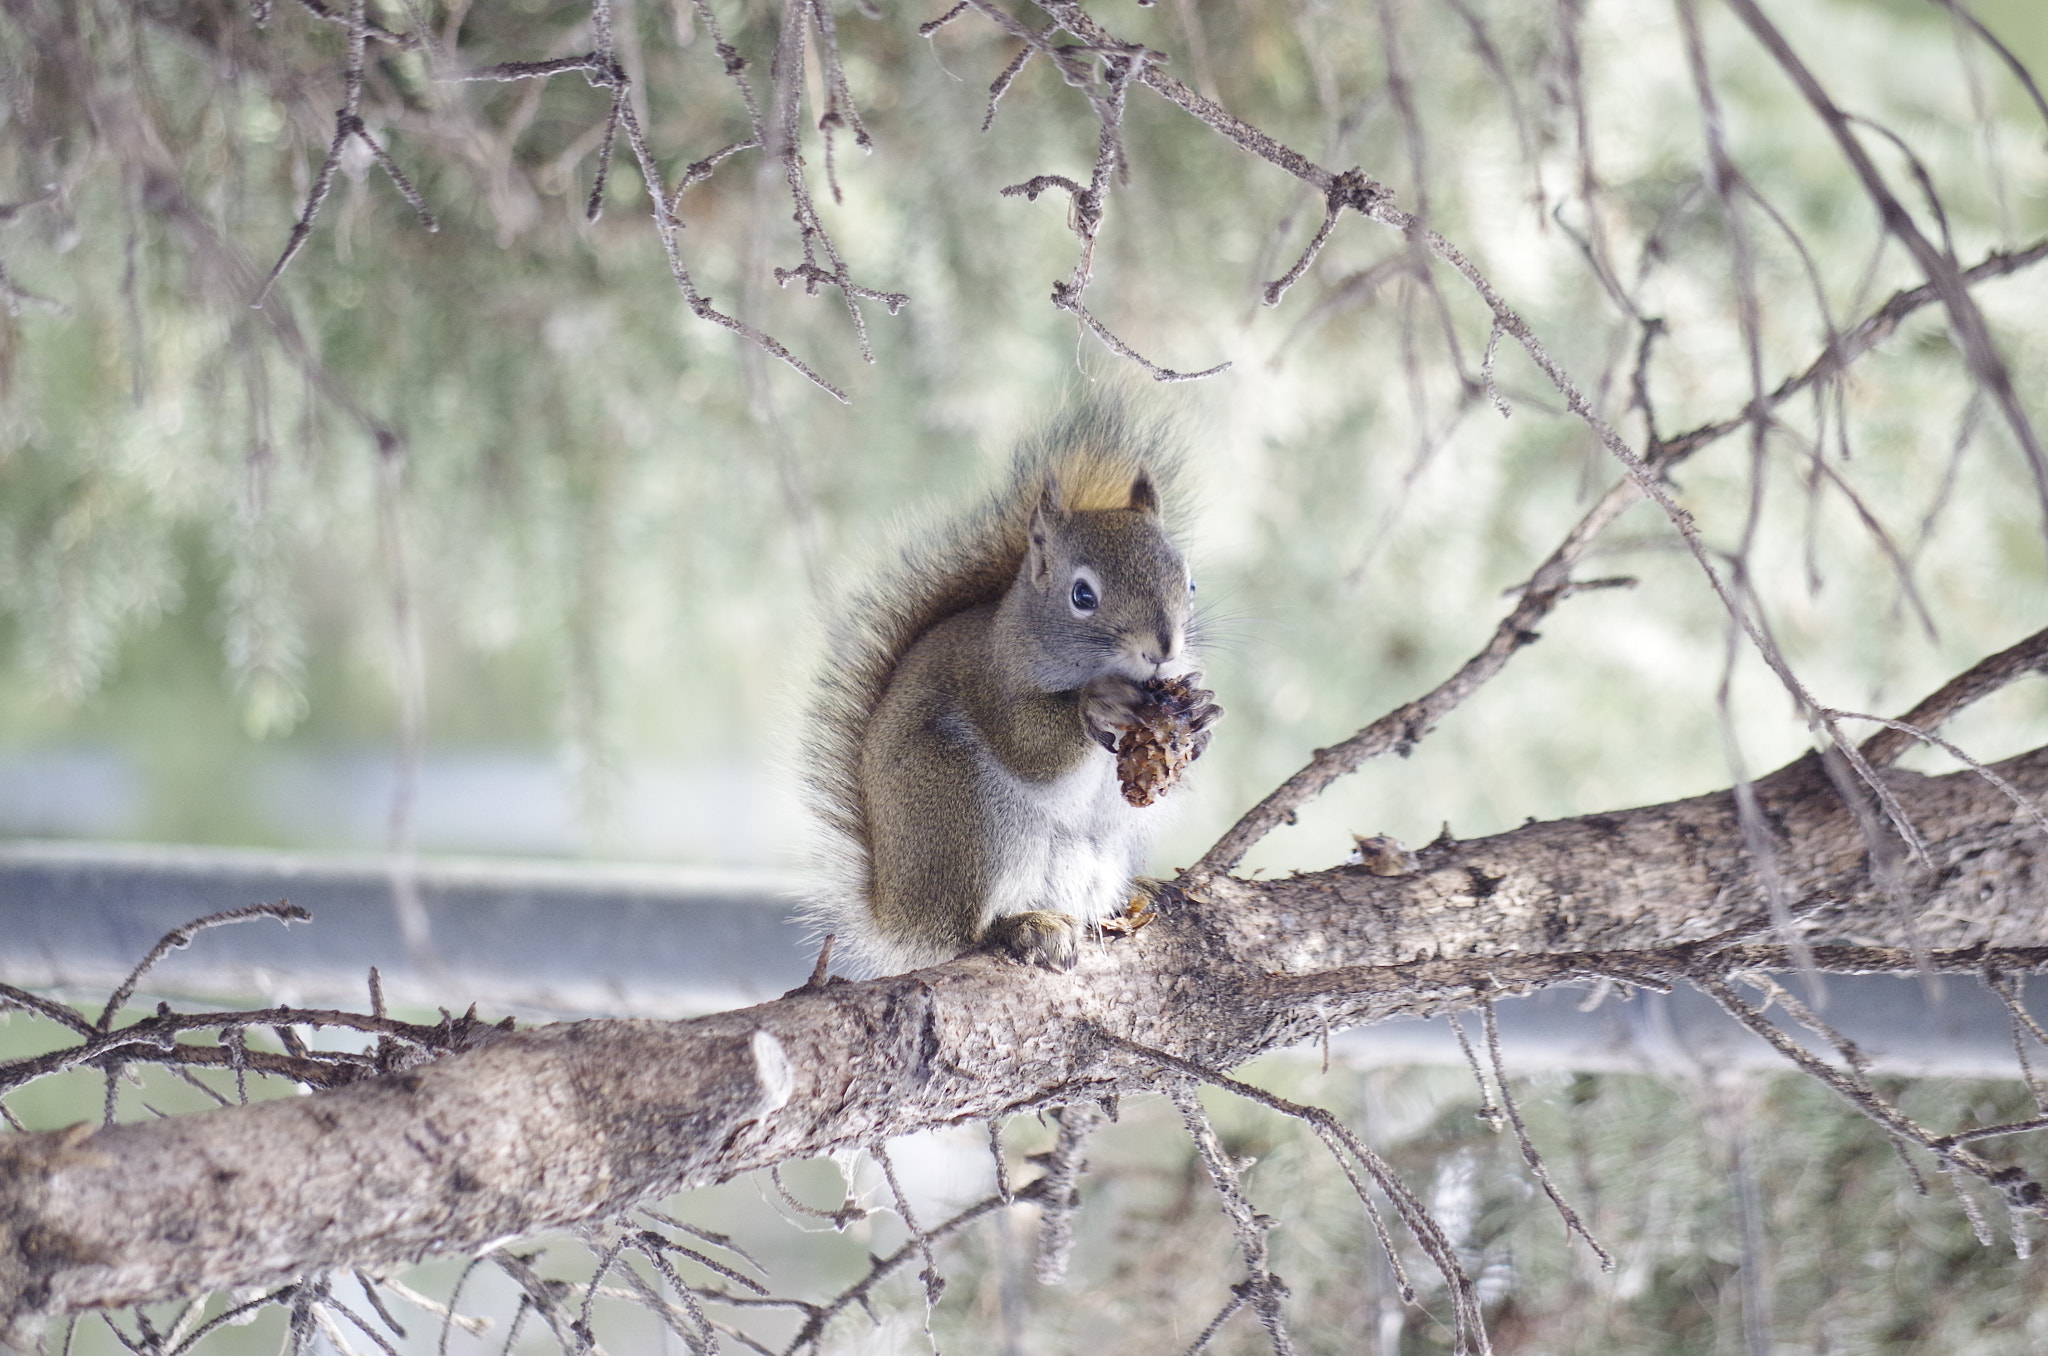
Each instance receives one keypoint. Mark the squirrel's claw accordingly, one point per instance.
(1109, 702)
(1039, 937)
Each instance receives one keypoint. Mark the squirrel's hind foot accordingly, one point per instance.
(1038, 937)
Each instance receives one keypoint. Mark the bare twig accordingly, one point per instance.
(849, 1210)
(2026, 806)
(153, 1040)
(1261, 1288)
(1059, 1189)
(1348, 1149)
(1986, 362)
(934, 1283)
(995, 1152)
(2009, 991)
(2012, 62)
(820, 1316)
(1572, 1223)
(348, 124)
(181, 937)
(2021, 1192)
(1399, 730)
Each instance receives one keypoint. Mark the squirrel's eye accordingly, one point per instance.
(1191, 588)
(1084, 596)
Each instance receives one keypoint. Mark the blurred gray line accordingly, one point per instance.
(1962, 1031)
(535, 936)
(574, 938)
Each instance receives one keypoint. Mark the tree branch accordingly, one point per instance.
(578, 1122)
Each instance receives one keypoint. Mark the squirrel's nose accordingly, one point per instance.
(1165, 644)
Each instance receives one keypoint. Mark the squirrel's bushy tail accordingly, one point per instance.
(1093, 451)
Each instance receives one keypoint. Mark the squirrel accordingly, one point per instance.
(960, 742)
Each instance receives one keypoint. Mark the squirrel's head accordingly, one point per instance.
(1103, 590)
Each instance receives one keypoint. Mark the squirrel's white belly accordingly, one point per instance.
(1077, 845)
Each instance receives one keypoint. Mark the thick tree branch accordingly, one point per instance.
(577, 1122)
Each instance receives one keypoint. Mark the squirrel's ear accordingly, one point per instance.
(1046, 515)
(1050, 508)
(1144, 494)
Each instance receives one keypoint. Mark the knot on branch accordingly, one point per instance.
(734, 62)
(1252, 1288)
(812, 275)
(1355, 189)
(605, 71)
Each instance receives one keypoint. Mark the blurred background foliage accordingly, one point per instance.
(605, 530)
(489, 497)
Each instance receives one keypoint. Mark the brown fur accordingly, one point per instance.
(1093, 455)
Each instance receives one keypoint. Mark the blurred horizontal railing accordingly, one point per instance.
(570, 938)
(564, 937)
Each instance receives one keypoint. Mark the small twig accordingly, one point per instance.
(1488, 1110)
(716, 1240)
(2023, 1025)
(180, 937)
(348, 122)
(370, 1288)
(44, 1007)
(2020, 1191)
(362, 1325)
(1351, 189)
(233, 1041)
(1346, 1148)
(152, 1040)
(1261, 1288)
(507, 71)
(593, 210)
(448, 1314)
(1059, 1190)
(1851, 1054)
(1070, 302)
(846, 1214)
(652, 1246)
(995, 1151)
(1972, 333)
(934, 1283)
(2012, 62)
(1001, 84)
(1037, 184)
(925, 30)
(1500, 403)
(655, 1240)
(1572, 1223)
(1230, 1306)
(605, 1262)
(820, 1316)
(2011, 792)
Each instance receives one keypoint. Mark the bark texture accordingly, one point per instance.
(573, 1122)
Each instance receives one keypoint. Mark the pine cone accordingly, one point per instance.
(1152, 753)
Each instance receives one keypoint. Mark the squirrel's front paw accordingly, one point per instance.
(1039, 937)
(1109, 706)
